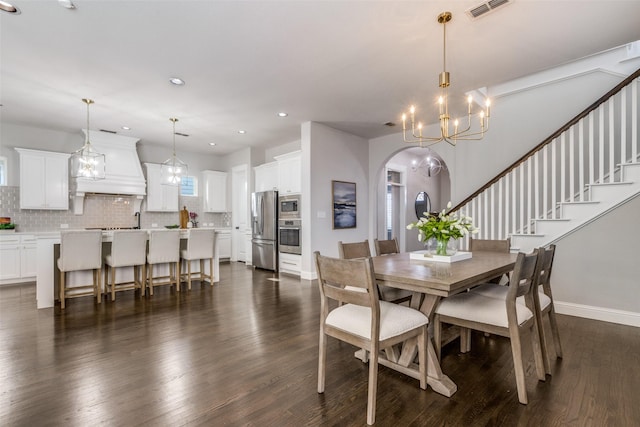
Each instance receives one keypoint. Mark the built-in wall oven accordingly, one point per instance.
(289, 233)
(289, 207)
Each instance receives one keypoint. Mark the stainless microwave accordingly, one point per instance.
(289, 207)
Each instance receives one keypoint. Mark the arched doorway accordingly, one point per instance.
(409, 173)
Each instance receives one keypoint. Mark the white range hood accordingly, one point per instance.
(123, 171)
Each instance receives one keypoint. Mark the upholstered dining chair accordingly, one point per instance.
(200, 247)
(128, 249)
(80, 250)
(504, 317)
(389, 247)
(544, 303)
(164, 248)
(364, 321)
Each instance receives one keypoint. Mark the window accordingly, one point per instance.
(189, 186)
(3, 171)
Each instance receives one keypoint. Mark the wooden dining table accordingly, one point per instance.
(429, 281)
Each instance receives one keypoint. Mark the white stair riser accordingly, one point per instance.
(552, 227)
(612, 193)
(528, 243)
(579, 210)
(631, 172)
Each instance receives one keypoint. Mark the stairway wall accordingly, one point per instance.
(596, 271)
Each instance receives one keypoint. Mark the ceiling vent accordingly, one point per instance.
(486, 7)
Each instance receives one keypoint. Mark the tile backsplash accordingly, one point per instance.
(101, 211)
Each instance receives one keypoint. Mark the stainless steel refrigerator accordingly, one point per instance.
(264, 229)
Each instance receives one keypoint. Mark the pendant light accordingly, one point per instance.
(173, 169)
(87, 163)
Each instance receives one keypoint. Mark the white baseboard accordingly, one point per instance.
(598, 313)
(17, 281)
(308, 275)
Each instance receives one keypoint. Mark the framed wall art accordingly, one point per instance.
(344, 204)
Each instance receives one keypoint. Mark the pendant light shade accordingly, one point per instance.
(173, 169)
(87, 163)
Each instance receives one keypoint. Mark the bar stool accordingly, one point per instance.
(164, 248)
(200, 246)
(80, 250)
(128, 249)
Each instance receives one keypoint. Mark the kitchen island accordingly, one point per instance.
(48, 275)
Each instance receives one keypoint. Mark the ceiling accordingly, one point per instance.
(353, 65)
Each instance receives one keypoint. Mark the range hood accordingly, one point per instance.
(122, 168)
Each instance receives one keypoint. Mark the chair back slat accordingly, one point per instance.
(386, 247)
(524, 275)
(544, 279)
(490, 245)
(354, 250)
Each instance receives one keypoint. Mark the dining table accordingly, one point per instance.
(430, 281)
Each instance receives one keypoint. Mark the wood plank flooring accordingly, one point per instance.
(244, 352)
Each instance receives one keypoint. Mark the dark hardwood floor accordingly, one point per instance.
(245, 353)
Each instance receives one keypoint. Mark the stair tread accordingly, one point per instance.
(553, 219)
(581, 202)
(611, 183)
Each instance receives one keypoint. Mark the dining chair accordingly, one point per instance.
(364, 321)
(164, 248)
(128, 249)
(80, 250)
(544, 303)
(200, 247)
(354, 250)
(504, 317)
(389, 247)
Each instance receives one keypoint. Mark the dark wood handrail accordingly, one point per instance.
(553, 136)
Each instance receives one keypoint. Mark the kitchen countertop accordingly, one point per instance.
(105, 233)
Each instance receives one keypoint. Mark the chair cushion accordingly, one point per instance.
(394, 319)
(482, 309)
(497, 291)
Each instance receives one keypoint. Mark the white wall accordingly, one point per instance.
(329, 154)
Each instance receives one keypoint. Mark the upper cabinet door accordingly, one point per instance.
(160, 198)
(44, 180)
(289, 173)
(214, 194)
(266, 177)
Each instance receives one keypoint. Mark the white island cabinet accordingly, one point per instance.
(160, 198)
(44, 179)
(214, 191)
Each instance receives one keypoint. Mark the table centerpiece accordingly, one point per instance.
(444, 228)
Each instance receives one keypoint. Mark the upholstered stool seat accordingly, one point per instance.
(200, 247)
(128, 249)
(80, 250)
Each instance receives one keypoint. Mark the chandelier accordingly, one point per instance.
(429, 166)
(87, 163)
(448, 133)
(173, 169)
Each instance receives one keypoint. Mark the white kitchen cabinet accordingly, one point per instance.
(248, 248)
(18, 260)
(289, 173)
(160, 198)
(266, 177)
(214, 191)
(224, 244)
(290, 263)
(44, 180)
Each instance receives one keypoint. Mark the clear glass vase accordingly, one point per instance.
(442, 247)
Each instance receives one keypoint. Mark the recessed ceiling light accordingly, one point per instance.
(126, 128)
(176, 81)
(212, 144)
(8, 7)
(282, 114)
(67, 3)
(242, 131)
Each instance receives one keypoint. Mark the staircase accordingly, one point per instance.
(582, 171)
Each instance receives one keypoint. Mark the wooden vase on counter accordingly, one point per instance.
(184, 217)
